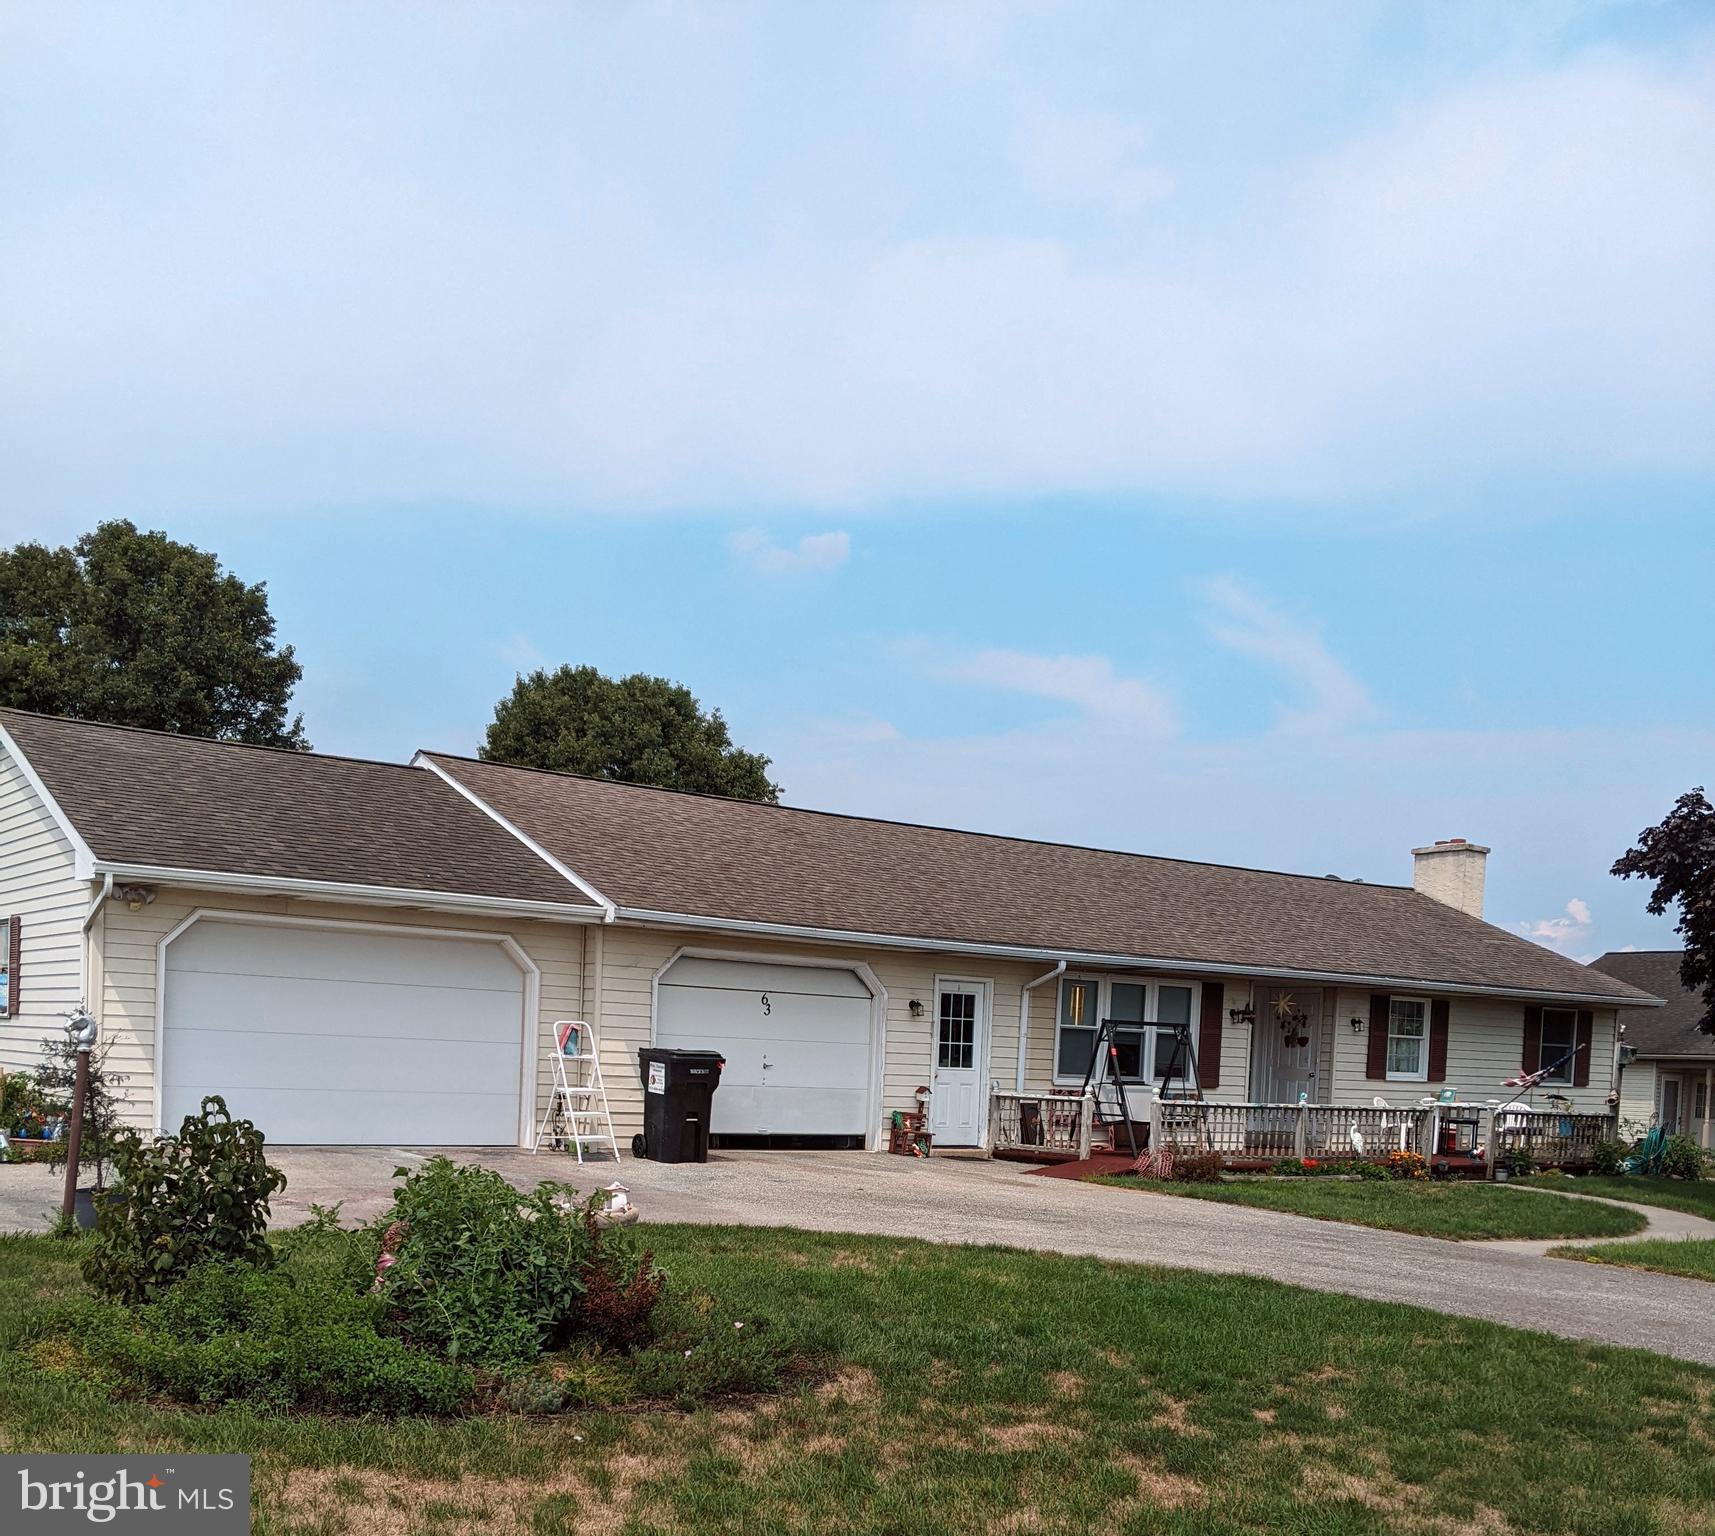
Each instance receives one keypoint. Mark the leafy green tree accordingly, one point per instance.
(1678, 853)
(138, 629)
(636, 730)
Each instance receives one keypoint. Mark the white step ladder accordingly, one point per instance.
(577, 1109)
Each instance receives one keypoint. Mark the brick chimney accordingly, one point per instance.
(1451, 870)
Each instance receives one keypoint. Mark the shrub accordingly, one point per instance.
(1682, 1158)
(1198, 1168)
(473, 1270)
(183, 1201)
(56, 1079)
(1401, 1164)
(1518, 1162)
(232, 1332)
(1608, 1158)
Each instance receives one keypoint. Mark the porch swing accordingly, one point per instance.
(1106, 1084)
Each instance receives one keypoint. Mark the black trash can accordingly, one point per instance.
(678, 1097)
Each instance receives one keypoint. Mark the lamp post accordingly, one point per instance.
(82, 1029)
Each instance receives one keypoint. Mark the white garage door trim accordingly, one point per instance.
(877, 1010)
(529, 1028)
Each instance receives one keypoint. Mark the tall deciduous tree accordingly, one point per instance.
(1679, 855)
(138, 629)
(637, 729)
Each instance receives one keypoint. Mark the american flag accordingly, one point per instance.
(1527, 1080)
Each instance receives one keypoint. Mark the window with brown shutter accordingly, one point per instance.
(1531, 1058)
(9, 951)
(1209, 1036)
(1375, 1066)
(1586, 1048)
(1440, 1012)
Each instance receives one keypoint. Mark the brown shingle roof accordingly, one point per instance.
(183, 802)
(656, 850)
(1669, 1031)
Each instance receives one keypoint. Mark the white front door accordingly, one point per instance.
(957, 1100)
(1670, 1105)
(1285, 1041)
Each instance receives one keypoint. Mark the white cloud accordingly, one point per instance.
(1247, 622)
(813, 552)
(1569, 933)
(1089, 682)
(1513, 272)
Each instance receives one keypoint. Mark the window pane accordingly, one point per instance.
(1405, 1016)
(1173, 1005)
(1078, 1004)
(1127, 1002)
(1074, 1052)
(1128, 1052)
(1172, 1055)
(1559, 1031)
(1404, 1056)
(956, 1031)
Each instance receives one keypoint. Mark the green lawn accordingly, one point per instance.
(1457, 1210)
(1693, 1256)
(984, 1390)
(1675, 1194)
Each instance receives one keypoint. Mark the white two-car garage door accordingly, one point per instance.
(796, 1040)
(334, 1034)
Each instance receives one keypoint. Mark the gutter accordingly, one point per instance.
(1139, 962)
(1024, 1015)
(334, 890)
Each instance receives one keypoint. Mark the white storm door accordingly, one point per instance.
(957, 1100)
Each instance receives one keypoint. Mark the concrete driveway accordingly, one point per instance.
(957, 1200)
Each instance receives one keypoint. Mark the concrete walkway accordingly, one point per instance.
(954, 1200)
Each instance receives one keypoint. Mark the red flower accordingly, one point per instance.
(1309, 1162)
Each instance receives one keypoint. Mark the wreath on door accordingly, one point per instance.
(1292, 1019)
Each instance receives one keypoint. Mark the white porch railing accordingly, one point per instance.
(1063, 1125)
(1059, 1123)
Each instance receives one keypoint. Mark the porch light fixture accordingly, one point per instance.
(1245, 1015)
(916, 1006)
(1357, 1026)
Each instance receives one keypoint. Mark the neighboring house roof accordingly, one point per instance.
(154, 799)
(1669, 1031)
(657, 852)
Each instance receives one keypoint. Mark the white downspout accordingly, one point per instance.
(1024, 1016)
(83, 948)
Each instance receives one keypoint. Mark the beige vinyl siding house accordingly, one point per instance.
(1670, 1080)
(41, 892)
(324, 938)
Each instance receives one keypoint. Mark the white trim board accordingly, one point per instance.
(530, 1025)
(877, 1010)
(83, 858)
(333, 890)
(423, 760)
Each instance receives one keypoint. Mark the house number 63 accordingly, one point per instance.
(767, 1007)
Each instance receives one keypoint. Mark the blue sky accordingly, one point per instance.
(1274, 434)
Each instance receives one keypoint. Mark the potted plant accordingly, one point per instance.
(101, 1123)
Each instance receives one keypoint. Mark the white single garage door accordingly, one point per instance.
(337, 1035)
(796, 1040)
